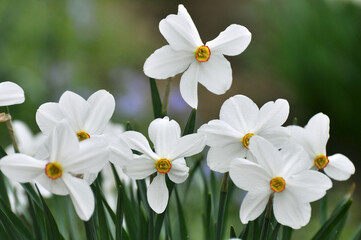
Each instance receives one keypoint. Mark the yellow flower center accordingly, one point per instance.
(246, 138)
(278, 184)
(53, 170)
(163, 165)
(321, 161)
(202, 53)
(82, 135)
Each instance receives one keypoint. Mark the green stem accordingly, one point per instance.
(9, 125)
(166, 97)
(267, 219)
(222, 206)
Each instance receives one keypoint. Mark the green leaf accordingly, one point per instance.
(275, 231)
(181, 219)
(52, 230)
(9, 227)
(15, 221)
(335, 218)
(232, 233)
(222, 205)
(287, 233)
(119, 214)
(189, 128)
(357, 234)
(156, 101)
(34, 196)
(90, 229)
(37, 217)
(102, 220)
(3, 192)
(128, 126)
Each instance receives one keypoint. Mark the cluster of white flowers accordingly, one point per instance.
(271, 162)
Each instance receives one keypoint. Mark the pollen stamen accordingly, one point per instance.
(82, 135)
(246, 138)
(202, 54)
(163, 165)
(321, 161)
(278, 184)
(53, 170)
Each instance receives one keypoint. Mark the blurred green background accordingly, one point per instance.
(308, 52)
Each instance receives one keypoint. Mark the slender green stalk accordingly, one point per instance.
(166, 97)
(267, 219)
(9, 125)
(222, 206)
(323, 210)
(90, 229)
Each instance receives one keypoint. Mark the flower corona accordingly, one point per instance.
(53, 170)
(163, 165)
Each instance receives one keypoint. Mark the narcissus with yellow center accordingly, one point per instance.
(170, 149)
(53, 170)
(203, 63)
(313, 138)
(283, 174)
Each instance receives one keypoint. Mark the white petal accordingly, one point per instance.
(295, 160)
(187, 146)
(253, 204)
(272, 114)
(102, 105)
(164, 134)
(120, 153)
(47, 116)
(249, 176)
(290, 212)
(81, 196)
(56, 186)
(180, 31)
(216, 74)
(340, 167)
(10, 94)
(308, 186)
(266, 155)
(62, 142)
(140, 167)
(240, 112)
(300, 136)
(75, 109)
(22, 168)
(138, 142)
(157, 194)
(232, 41)
(165, 62)
(318, 128)
(278, 136)
(219, 158)
(179, 171)
(188, 85)
(219, 133)
(91, 157)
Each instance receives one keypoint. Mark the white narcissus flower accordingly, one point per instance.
(285, 175)
(58, 174)
(168, 158)
(10, 94)
(239, 120)
(313, 137)
(200, 63)
(88, 119)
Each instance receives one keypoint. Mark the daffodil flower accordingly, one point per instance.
(67, 158)
(10, 94)
(88, 119)
(168, 158)
(240, 120)
(313, 137)
(283, 175)
(200, 62)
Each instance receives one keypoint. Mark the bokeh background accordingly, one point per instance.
(307, 51)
